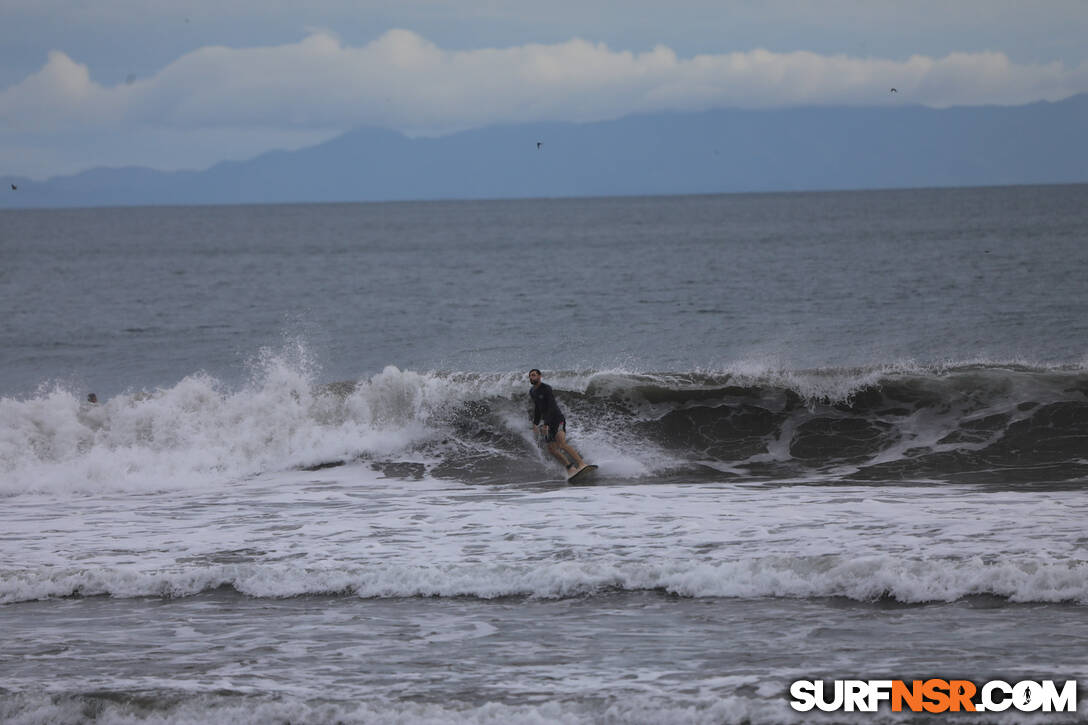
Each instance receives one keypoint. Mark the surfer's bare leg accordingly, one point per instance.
(561, 443)
(553, 448)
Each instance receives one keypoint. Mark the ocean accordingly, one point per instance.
(841, 436)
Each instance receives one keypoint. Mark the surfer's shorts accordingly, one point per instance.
(554, 429)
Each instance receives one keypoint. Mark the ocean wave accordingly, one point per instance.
(865, 579)
(974, 422)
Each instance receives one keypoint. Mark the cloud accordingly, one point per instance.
(403, 81)
(60, 95)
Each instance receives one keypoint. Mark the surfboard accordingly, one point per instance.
(583, 474)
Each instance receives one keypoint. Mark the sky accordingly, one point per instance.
(184, 84)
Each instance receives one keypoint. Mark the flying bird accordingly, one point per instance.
(14, 187)
(539, 144)
(893, 91)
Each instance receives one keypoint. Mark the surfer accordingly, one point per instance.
(555, 425)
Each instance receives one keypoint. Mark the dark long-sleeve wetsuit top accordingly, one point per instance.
(544, 405)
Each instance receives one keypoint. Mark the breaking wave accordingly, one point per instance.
(861, 578)
(966, 423)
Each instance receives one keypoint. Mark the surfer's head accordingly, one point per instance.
(534, 376)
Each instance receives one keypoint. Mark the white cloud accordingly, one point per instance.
(403, 81)
(60, 95)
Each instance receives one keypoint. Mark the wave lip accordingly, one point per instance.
(869, 578)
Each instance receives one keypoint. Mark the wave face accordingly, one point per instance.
(972, 423)
(968, 423)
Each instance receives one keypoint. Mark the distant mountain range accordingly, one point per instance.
(813, 148)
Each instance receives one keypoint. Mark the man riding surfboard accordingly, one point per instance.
(546, 409)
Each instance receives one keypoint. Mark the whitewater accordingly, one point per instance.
(309, 490)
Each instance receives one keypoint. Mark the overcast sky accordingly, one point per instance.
(184, 84)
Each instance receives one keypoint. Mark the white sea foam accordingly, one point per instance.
(200, 433)
(346, 530)
(904, 579)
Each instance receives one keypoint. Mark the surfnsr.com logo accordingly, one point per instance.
(933, 695)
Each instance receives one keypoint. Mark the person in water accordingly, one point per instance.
(554, 424)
